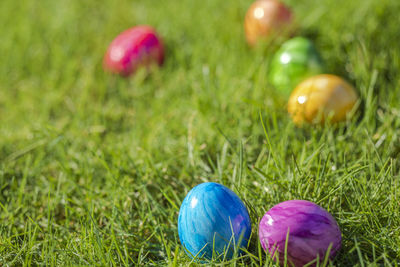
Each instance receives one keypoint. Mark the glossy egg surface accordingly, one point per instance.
(267, 19)
(322, 98)
(312, 230)
(296, 60)
(136, 47)
(212, 216)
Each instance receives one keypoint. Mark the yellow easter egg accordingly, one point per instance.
(322, 98)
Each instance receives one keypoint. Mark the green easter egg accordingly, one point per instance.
(296, 60)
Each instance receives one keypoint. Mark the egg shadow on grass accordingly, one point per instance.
(231, 253)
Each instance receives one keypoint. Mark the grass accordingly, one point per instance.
(93, 167)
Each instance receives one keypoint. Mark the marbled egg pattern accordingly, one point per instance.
(209, 214)
(321, 98)
(311, 231)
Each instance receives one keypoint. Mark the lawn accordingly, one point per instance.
(94, 167)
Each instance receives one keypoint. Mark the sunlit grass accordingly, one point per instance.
(93, 167)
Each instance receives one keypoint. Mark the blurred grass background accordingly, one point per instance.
(93, 167)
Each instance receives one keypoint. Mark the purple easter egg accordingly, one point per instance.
(311, 231)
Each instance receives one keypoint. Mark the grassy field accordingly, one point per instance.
(94, 167)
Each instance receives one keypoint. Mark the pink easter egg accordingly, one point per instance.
(134, 48)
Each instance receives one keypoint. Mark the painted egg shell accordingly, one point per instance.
(212, 216)
(133, 48)
(265, 19)
(312, 230)
(322, 98)
(296, 60)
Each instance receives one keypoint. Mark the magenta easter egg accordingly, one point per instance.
(136, 47)
(311, 230)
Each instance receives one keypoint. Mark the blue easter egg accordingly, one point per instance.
(213, 218)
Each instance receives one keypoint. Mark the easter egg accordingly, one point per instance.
(311, 231)
(296, 60)
(213, 221)
(266, 19)
(136, 47)
(322, 98)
